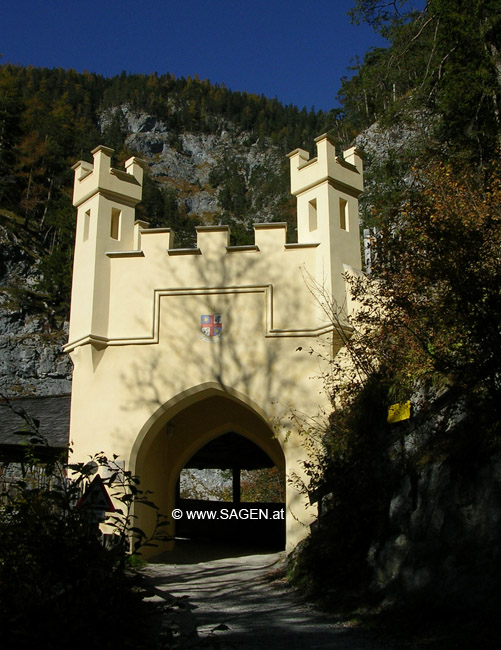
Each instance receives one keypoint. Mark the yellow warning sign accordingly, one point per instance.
(400, 411)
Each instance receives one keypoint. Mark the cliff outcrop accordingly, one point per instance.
(31, 338)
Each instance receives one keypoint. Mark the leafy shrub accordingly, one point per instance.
(58, 581)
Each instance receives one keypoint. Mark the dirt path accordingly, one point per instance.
(255, 610)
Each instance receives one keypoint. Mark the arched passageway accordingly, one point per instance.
(238, 491)
(209, 428)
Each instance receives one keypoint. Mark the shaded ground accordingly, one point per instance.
(241, 601)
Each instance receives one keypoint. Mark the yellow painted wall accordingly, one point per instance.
(146, 385)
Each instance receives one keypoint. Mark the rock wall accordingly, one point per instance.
(443, 547)
(31, 358)
(183, 161)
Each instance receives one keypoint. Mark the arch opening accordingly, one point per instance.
(216, 432)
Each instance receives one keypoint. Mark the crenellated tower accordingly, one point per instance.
(327, 189)
(105, 199)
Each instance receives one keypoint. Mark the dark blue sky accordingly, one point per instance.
(295, 50)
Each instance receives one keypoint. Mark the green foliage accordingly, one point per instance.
(426, 329)
(445, 59)
(57, 579)
(232, 194)
(378, 13)
(386, 187)
(243, 193)
(161, 208)
(265, 485)
(10, 105)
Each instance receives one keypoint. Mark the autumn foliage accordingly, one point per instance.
(437, 271)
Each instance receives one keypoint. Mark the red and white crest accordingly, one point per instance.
(211, 327)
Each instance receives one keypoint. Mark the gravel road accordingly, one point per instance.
(247, 599)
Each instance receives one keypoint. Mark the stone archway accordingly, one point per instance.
(151, 380)
(185, 425)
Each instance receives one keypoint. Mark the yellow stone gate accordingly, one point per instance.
(175, 347)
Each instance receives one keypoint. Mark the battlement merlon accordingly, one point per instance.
(123, 186)
(346, 172)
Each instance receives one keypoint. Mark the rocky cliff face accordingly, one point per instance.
(31, 358)
(444, 538)
(441, 544)
(184, 161)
